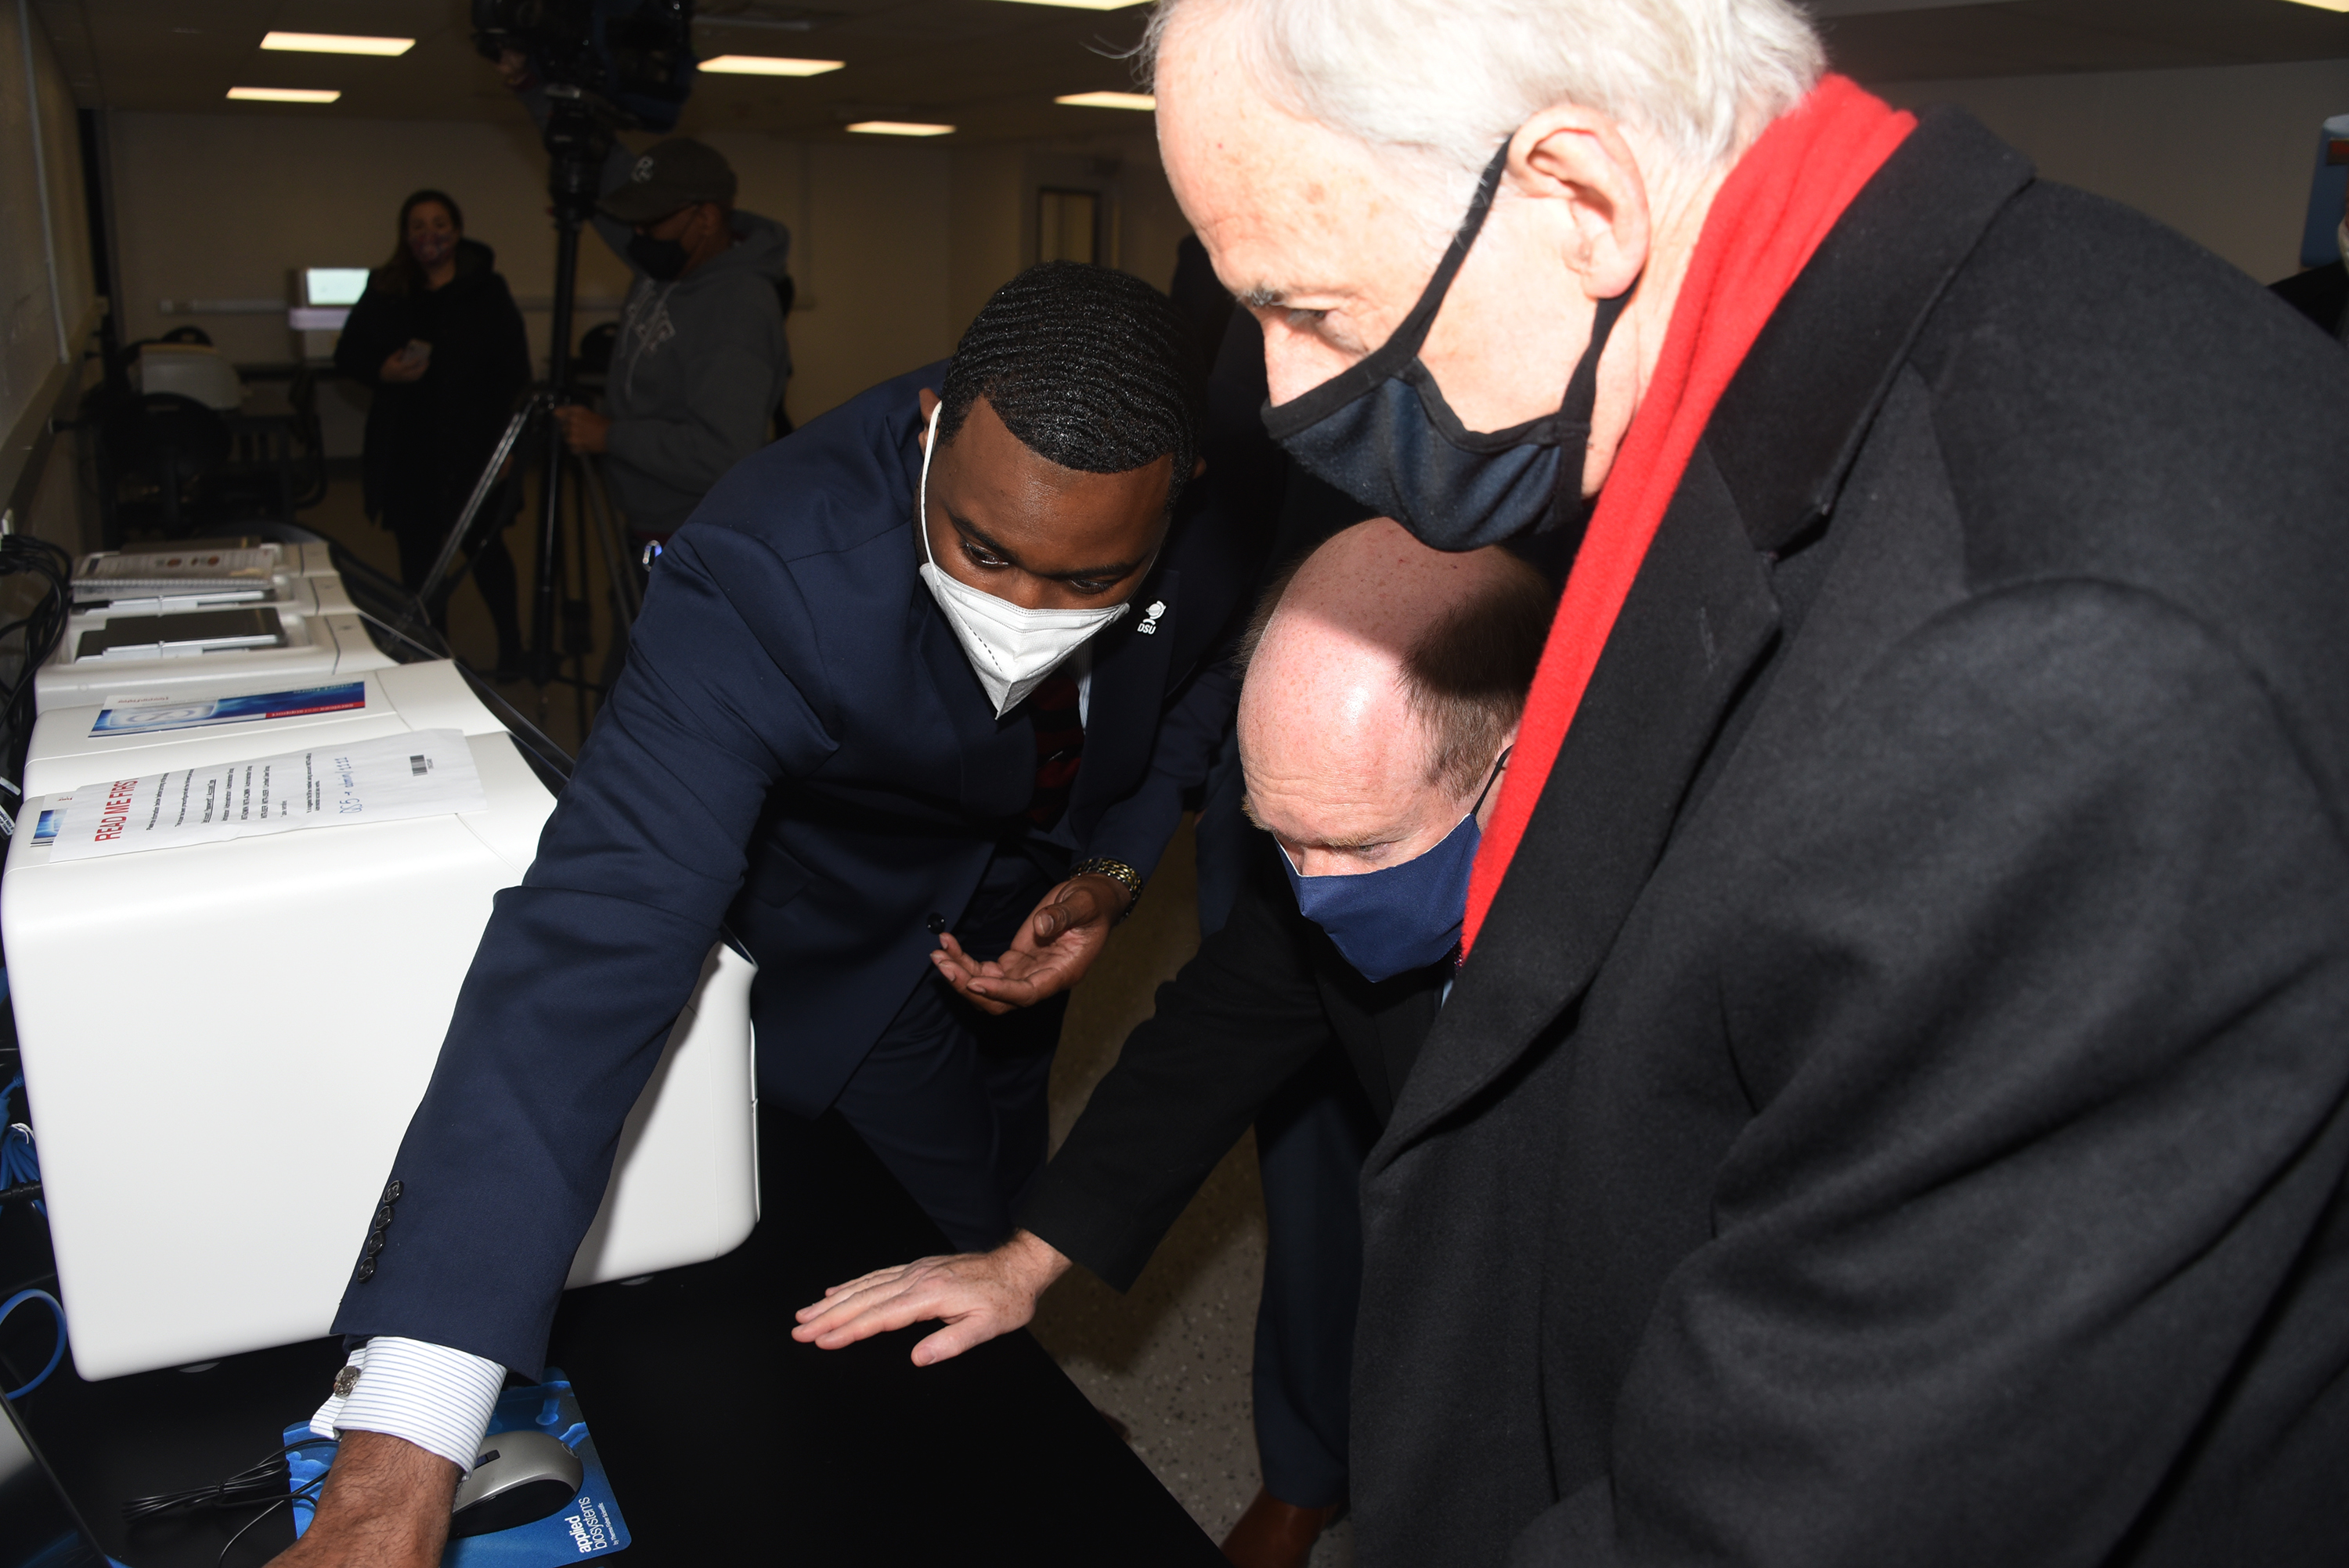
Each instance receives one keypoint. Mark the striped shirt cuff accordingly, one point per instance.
(436, 1397)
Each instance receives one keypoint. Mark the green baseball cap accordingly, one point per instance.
(672, 174)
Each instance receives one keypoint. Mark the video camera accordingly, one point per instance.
(629, 61)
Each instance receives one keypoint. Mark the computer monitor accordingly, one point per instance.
(39, 1526)
(333, 286)
(327, 295)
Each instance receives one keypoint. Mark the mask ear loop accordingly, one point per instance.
(1402, 345)
(922, 493)
(1492, 779)
(1568, 506)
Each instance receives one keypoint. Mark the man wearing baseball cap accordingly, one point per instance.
(699, 367)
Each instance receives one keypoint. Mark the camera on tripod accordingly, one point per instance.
(605, 65)
(627, 62)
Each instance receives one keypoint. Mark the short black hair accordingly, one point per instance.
(1091, 368)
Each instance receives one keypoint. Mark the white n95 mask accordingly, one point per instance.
(1011, 649)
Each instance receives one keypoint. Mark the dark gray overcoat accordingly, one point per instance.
(1894, 1114)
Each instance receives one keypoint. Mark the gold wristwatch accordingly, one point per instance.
(1118, 871)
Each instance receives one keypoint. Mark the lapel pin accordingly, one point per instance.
(1149, 627)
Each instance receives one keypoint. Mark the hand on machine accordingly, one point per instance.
(1054, 948)
(977, 1296)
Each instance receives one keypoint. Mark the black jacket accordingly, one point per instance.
(427, 440)
(1261, 999)
(797, 749)
(1897, 1112)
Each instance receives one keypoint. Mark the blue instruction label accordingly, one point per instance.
(198, 713)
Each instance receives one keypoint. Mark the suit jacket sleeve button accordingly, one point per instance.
(936, 923)
(367, 1268)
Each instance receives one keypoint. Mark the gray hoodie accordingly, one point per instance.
(696, 375)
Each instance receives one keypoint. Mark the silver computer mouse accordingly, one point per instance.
(518, 1478)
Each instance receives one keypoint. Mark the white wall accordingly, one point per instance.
(215, 207)
(895, 244)
(2221, 153)
(40, 317)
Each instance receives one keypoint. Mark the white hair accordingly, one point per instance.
(1446, 82)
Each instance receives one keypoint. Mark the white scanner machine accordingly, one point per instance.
(191, 616)
(223, 1042)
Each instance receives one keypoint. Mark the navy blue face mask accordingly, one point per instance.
(1381, 431)
(1403, 917)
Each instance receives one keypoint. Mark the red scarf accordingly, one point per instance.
(1771, 213)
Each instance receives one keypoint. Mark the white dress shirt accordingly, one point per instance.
(436, 1397)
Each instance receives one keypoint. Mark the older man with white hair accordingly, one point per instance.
(1896, 1103)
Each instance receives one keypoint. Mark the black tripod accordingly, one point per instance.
(578, 138)
(562, 577)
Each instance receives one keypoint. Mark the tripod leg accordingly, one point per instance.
(578, 630)
(567, 219)
(438, 581)
(619, 571)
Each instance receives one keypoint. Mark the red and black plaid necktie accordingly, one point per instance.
(1060, 747)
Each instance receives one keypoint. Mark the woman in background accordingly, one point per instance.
(438, 337)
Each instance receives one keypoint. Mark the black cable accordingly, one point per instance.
(289, 1499)
(42, 629)
(257, 1482)
(529, 736)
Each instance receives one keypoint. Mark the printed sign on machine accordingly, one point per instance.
(423, 773)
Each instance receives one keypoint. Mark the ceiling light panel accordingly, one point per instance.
(284, 95)
(767, 66)
(1142, 101)
(900, 128)
(2325, 5)
(336, 43)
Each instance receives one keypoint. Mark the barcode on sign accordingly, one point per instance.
(417, 765)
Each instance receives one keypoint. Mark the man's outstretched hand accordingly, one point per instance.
(977, 1295)
(385, 1505)
(1055, 946)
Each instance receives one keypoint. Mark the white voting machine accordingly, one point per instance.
(234, 944)
(189, 616)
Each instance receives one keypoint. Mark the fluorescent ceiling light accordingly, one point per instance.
(1082, 4)
(284, 95)
(2325, 5)
(900, 128)
(1141, 101)
(336, 44)
(779, 66)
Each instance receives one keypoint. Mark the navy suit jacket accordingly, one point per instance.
(799, 751)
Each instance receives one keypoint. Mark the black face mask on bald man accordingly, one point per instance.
(1381, 431)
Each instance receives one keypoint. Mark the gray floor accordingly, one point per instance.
(1170, 1358)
